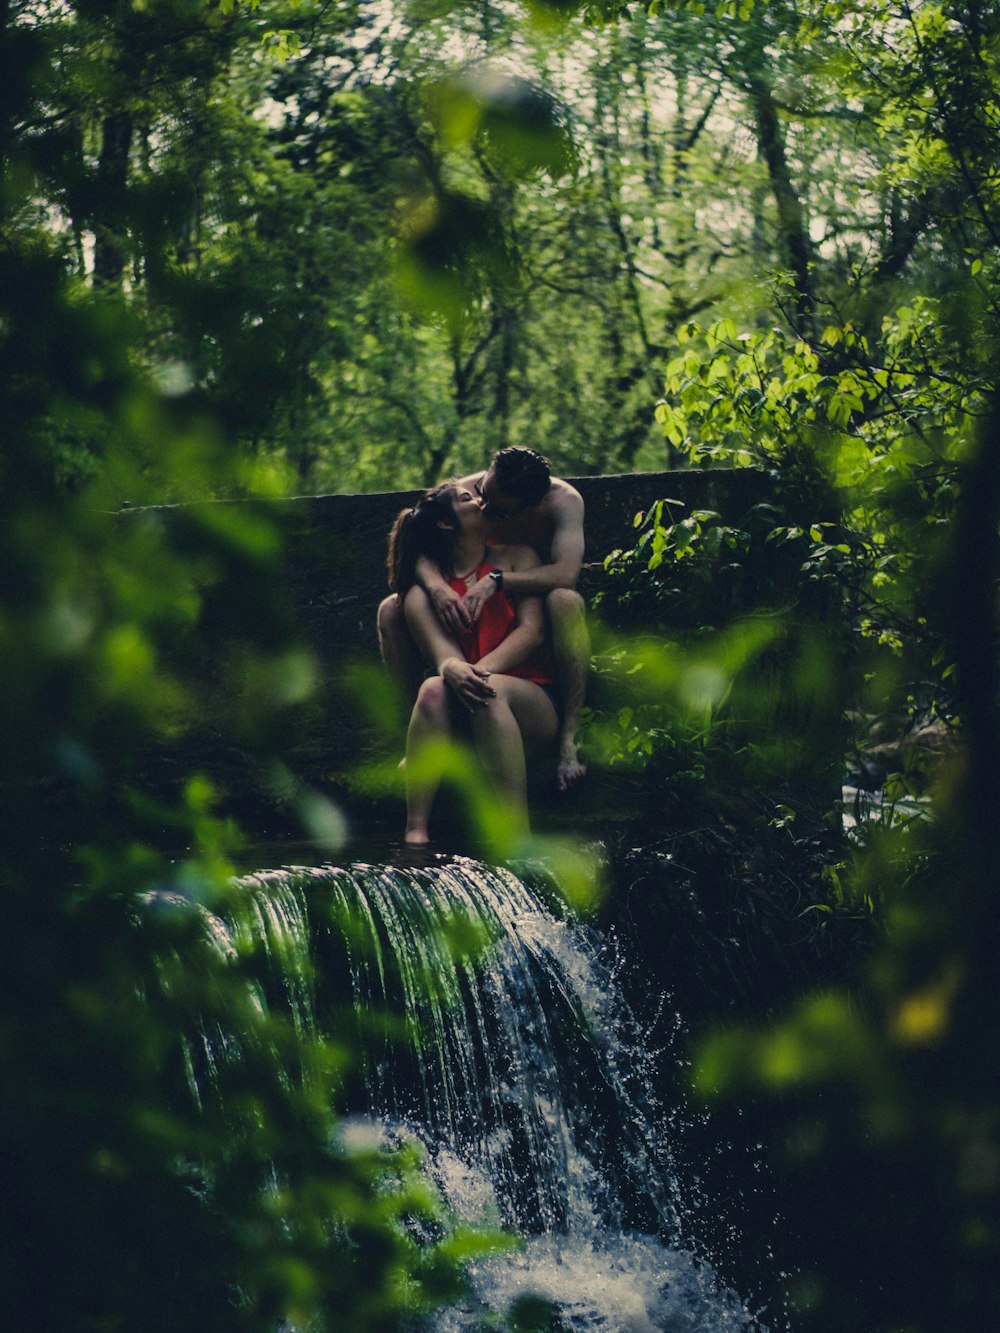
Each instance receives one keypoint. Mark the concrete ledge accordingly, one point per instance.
(336, 544)
(333, 580)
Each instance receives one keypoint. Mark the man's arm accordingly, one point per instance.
(563, 569)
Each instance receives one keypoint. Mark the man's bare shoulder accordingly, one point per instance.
(561, 488)
(563, 502)
(470, 481)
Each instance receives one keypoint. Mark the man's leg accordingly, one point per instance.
(399, 652)
(571, 651)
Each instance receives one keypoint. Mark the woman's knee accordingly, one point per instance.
(390, 615)
(498, 713)
(432, 697)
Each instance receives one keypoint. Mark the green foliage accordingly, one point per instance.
(706, 571)
(864, 445)
(256, 249)
(883, 1092)
(557, 204)
(735, 671)
(139, 1195)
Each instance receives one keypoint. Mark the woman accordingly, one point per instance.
(495, 673)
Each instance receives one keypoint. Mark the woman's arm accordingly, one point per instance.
(469, 682)
(524, 638)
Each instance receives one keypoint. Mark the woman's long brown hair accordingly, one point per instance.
(416, 533)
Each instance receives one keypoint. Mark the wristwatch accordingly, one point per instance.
(497, 576)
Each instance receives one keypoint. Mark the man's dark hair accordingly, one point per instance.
(522, 474)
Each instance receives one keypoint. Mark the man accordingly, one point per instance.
(532, 507)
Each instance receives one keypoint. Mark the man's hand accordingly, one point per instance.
(469, 683)
(450, 608)
(477, 597)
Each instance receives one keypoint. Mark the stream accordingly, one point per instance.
(513, 1059)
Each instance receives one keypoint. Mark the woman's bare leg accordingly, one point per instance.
(430, 719)
(521, 712)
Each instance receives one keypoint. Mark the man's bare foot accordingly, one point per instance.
(570, 768)
(416, 837)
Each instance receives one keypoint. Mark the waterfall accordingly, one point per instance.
(495, 1035)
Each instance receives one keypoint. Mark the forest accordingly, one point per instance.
(256, 249)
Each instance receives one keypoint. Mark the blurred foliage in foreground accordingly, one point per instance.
(204, 246)
(132, 1199)
(873, 589)
(130, 1203)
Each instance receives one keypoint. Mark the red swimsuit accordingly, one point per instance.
(495, 622)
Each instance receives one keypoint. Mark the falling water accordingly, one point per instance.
(523, 1074)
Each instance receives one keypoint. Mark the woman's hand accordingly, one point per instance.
(469, 683)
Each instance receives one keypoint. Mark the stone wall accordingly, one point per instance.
(335, 549)
(337, 543)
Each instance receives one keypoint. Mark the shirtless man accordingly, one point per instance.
(529, 507)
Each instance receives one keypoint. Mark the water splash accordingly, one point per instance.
(522, 1072)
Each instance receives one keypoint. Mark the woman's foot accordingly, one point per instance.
(570, 768)
(416, 835)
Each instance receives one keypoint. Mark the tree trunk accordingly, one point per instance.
(792, 226)
(109, 219)
(505, 365)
